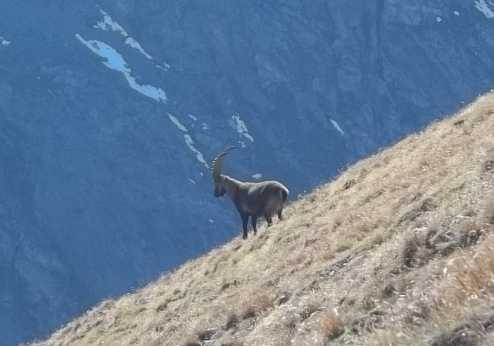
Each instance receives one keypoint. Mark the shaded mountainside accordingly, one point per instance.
(396, 250)
(111, 109)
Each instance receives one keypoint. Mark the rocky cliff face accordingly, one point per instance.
(111, 110)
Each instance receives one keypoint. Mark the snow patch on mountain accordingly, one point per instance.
(177, 123)
(188, 140)
(108, 24)
(199, 156)
(337, 126)
(239, 125)
(165, 67)
(115, 61)
(134, 44)
(486, 7)
(4, 42)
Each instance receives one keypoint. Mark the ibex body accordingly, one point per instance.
(254, 200)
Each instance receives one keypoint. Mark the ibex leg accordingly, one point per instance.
(269, 219)
(280, 217)
(245, 225)
(254, 224)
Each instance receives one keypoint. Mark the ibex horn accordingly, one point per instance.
(218, 162)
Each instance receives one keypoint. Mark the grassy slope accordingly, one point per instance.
(396, 250)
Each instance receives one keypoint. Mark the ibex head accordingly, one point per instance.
(219, 186)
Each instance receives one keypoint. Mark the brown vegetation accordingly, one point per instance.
(398, 250)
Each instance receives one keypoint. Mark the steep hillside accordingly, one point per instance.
(396, 250)
(110, 109)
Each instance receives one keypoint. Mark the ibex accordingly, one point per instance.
(251, 199)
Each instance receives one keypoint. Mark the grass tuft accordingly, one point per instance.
(331, 326)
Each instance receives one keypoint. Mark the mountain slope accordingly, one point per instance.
(396, 250)
(111, 110)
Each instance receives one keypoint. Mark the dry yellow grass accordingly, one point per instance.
(397, 250)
